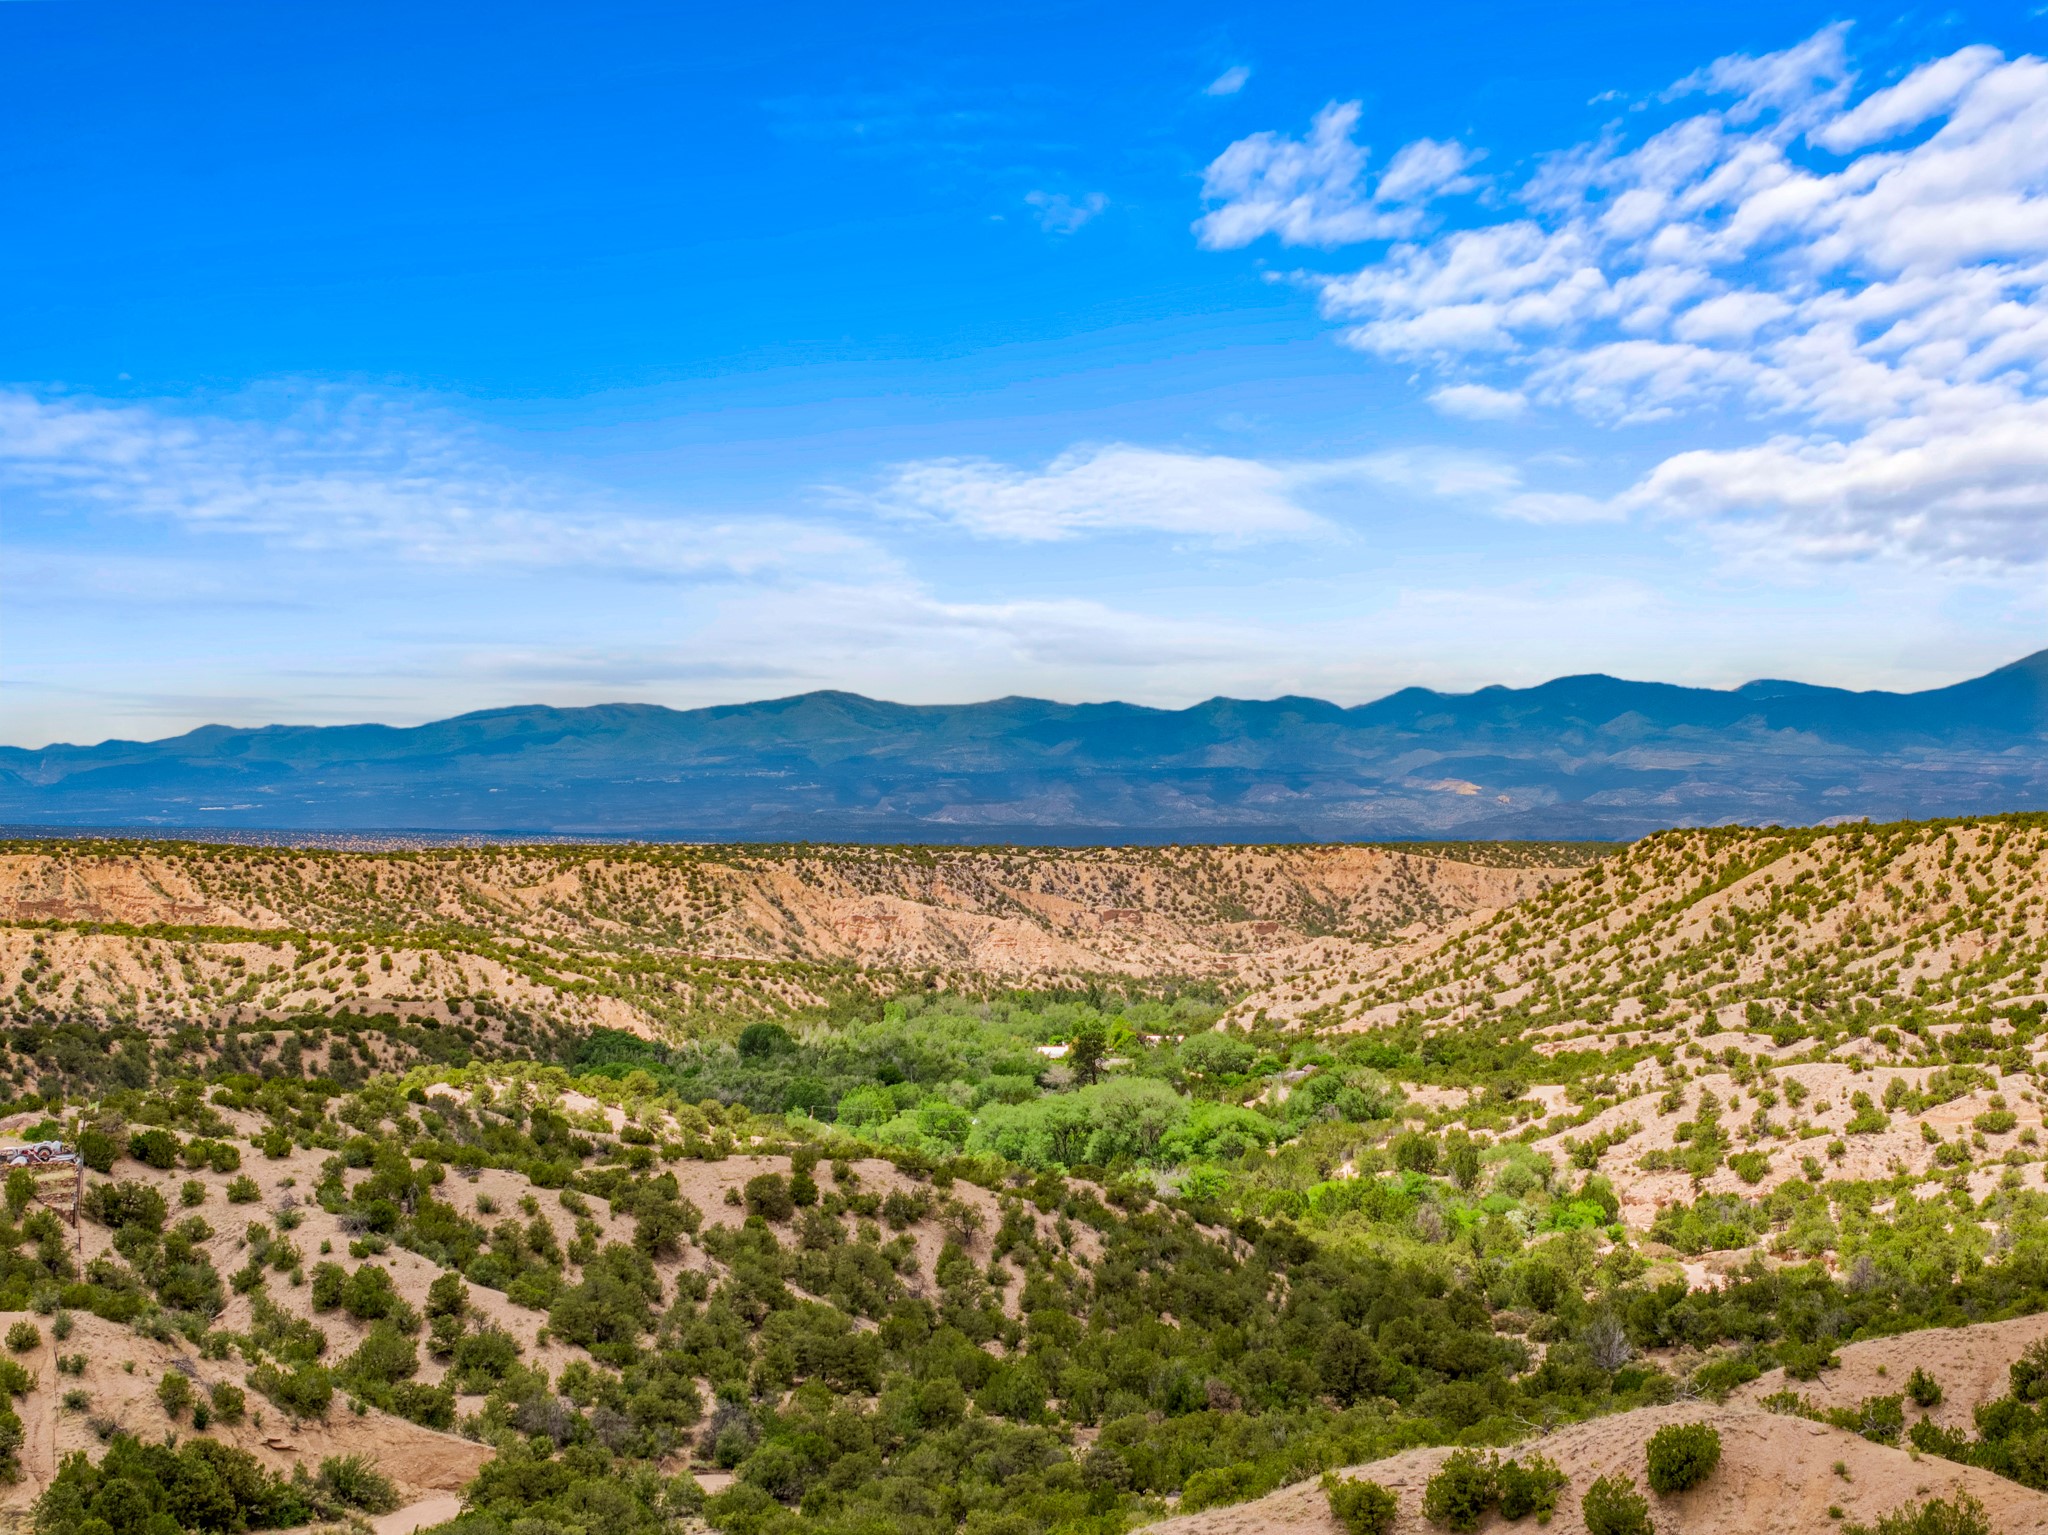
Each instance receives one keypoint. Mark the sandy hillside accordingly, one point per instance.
(1776, 1474)
(541, 927)
(422, 1461)
(1970, 1363)
(1724, 914)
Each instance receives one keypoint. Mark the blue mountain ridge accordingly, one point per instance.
(1586, 756)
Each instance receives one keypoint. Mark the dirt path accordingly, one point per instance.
(422, 1515)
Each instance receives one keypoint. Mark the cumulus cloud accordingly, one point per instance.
(1314, 191)
(1864, 275)
(1115, 488)
(354, 471)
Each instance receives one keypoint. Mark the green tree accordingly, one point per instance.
(1086, 1047)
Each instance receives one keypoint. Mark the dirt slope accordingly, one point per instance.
(633, 937)
(1776, 1474)
(1718, 919)
(1970, 1363)
(422, 1461)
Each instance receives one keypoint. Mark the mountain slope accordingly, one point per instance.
(1576, 757)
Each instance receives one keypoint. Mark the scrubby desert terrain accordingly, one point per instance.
(1011, 1192)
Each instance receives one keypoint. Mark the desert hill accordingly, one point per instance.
(632, 938)
(650, 1189)
(1576, 757)
(1728, 925)
(1776, 1474)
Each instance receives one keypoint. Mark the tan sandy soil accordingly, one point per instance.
(1971, 1364)
(955, 913)
(425, 1464)
(422, 1515)
(1830, 1087)
(419, 1460)
(1776, 1474)
(1931, 909)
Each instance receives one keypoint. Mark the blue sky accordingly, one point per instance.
(383, 362)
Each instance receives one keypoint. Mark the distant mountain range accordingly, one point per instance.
(1589, 756)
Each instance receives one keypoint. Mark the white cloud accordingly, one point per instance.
(1060, 214)
(360, 472)
(1424, 169)
(1969, 491)
(1929, 91)
(1116, 488)
(1479, 402)
(1868, 275)
(1312, 191)
(1807, 78)
(1229, 83)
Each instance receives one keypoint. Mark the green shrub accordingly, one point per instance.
(1750, 1166)
(330, 1285)
(23, 1336)
(1937, 1516)
(243, 1191)
(768, 1196)
(1880, 1419)
(154, 1148)
(305, 1392)
(2029, 1372)
(1219, 1486)
(1868, 1119)
(1718, 1377)
(1805, 1361)
(1682, 1455)
(218, 1488)
(447, 1296)
(1362, 1507)
(1613, 1506)
(354, 1482)
(14, 1380)
(1530, 1487)
(384, 1357)
(369, 1295)
(175, 1392)
(115, 1205)
(1923, 1388)
(219, 1156)
(98, 1150)
(230, 1402)
(1461, 1492)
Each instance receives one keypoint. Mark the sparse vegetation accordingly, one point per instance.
(959, 1219)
